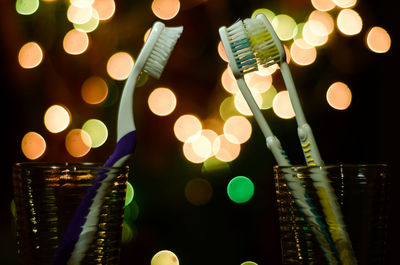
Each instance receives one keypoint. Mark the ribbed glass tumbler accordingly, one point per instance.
(333, 214)
(46, 197)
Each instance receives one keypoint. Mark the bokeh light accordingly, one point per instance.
(165, 257)
(268, 97)
(240, 189)
(201, 146)
(339, 96)
(302, 53)
(241, 103)
(248, 263)
(227, 108)
(57, 118)
(130, 193)
(198, 191)
(281, 105)
(378, 40)
(162, 101)
(345, 3)
(33, 145)
(120, 65)
(257, 82)
(325, 19)
(228, 81)
(30, 55)
(187, 126)
(315, 33)
(323, 5)
(237, 129)
(75, 42)
(191, 155)
(79, 15)
(165, 9)
(349, 22)
(221, 51)
(78, 142)
(284, 26)
(127, 233)
(224, 149)
(26, 7)
(82, 3)
(94, 90)
(91, 24)
(267, 13)
(97, 131)
(105, 8)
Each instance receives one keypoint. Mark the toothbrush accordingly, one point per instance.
(151, 60)
(268, 50)
(242, 61)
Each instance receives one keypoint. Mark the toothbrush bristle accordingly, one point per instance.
(264, 47)
(162, 50)
(241, 48)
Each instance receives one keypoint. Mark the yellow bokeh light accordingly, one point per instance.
(227, 108)
(221, 51)
(228, 81)
(75, 42)
(191, 155)
(258, 83)
(91, 24)
(339, 96)
(237, 129)
(225, 150)
(57, 118)
(30, 55)
(120, 65)
(302, 53)
(33, 145)
(323, 5)
(79, 15)
(242, 106)
(268, 97)
(267, 13)
(94, 90)
(164, 257)
(378, 40)
(78, 143)
(267, 70)
(201, 146)
(281, 105)
(349, 22)
(162, 101)
(187, 126)
(97, 131)
(345, 3)
(284, 26)
(165, 9)
(26, 7)
(105, 8)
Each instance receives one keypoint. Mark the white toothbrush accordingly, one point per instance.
(152, 60)
(268, 50)
(242, 61)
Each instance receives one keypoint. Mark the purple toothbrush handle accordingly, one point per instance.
(125, 147)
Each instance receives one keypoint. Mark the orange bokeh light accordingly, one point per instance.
(237, 129)
(339, 96)
(57, 118)
(105, 8)
(165, 9)
(75, 42)
(94, 90)
(162, 101)
(282, 106)
(349, 22)
(378, 40)
(78, 143)
(33, 145)
(225, 150)
(302, 52)
(120, 65)
(30, 55)
(187, 126)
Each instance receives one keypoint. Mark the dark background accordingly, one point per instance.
(219, 232)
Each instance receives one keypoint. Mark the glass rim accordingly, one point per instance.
(65, 165)
(330, 166)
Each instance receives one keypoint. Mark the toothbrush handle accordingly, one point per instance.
(272, 141)
(309, 146)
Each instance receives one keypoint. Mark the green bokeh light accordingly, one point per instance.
(129, 193)
(97, 130)
(26, 7)
(240, 189)
(248, 263)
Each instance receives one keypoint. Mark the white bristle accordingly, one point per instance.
(241, 48)
(161, 51)
(264, 47)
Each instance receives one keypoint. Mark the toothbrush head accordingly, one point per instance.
(265, 43)
(158, 48)
(238, 49)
